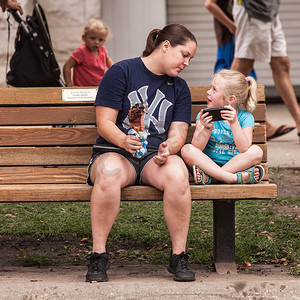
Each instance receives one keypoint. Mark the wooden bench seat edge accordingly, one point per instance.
(81, 192)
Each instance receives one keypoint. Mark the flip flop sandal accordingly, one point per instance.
(250, 172)
(281, 131)
(202, 176)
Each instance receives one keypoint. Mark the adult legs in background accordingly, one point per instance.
(280, 70)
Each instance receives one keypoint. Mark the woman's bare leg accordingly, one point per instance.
(173, 179)
(110, 172)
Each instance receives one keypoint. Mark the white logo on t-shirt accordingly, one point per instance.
(159, 100)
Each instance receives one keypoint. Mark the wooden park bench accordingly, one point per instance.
(46, 138)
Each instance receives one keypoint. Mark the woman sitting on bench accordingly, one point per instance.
(120, 159)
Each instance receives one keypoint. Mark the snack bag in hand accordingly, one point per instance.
(136, 122)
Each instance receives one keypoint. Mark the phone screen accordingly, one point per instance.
(215, 113)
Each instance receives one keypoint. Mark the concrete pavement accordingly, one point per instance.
(146, 282)
(284, 151)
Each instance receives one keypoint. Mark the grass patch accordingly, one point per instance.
(45, 219)
(140, 232)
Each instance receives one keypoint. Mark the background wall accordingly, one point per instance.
(65, 20)
(193, 14)
(130, 22)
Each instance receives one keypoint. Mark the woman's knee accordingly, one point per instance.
(177, 175)
(108, 172)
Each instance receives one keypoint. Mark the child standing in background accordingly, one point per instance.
(223, 149)
(90, 60)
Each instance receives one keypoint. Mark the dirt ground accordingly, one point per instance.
(72, 251)
(287, 180)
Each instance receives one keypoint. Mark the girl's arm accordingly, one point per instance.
(109, 62)
(202, 133)
(242, 136)
(68, 66)
(216, 11)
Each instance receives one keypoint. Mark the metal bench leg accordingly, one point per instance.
(224, 237)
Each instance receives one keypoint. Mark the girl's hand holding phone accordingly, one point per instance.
(229, 114)
(206, 120)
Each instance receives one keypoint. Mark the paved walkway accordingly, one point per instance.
(283, 151)
(136, 282)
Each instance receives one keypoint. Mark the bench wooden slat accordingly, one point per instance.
(44, 156)
(44, 192)
(14, 116)
(32, 96)
(38, 136)
(81, 192)
(76, 115)
(48, 136)
(208, 192)
(20, 175)
(37, 96)
(59, 174)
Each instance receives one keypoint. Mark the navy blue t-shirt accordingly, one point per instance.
(166, 99)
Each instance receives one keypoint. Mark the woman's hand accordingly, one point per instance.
(131, 143)
(162, 155)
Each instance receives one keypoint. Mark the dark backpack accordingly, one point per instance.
(264, 10)
(33, 64)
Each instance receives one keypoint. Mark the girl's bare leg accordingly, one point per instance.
(242, 161)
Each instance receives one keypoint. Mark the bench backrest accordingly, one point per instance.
(44, 139)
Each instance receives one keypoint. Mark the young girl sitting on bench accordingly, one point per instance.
(223, 150)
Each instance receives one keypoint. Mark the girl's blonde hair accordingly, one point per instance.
(94, 24)
(243, 88)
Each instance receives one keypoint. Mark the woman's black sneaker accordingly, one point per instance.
(99, 264)
(179, 267)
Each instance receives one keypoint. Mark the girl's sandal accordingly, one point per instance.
(199, 176)
(250, 172)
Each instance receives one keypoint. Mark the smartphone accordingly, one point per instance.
(215, 112)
